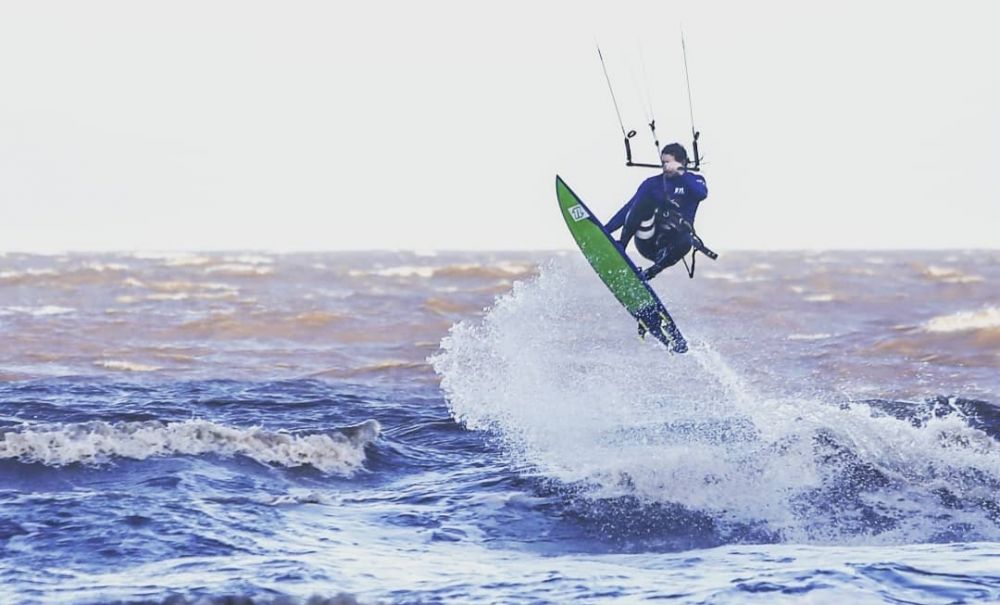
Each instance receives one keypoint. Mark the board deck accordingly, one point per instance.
(617, 271)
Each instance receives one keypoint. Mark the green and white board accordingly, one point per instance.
(617, 271)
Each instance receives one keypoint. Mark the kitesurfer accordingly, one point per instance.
(661, 213)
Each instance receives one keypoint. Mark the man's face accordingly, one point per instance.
(670, 164)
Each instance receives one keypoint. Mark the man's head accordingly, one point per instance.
(674, 152)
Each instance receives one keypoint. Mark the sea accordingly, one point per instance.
(473, 427)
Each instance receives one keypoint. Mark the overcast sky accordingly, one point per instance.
(441, 125)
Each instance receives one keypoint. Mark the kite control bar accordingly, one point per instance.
(692, 166)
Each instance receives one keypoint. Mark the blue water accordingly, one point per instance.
(438, 513)
(518, 464)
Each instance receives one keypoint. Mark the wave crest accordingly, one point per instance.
(98, 442)
(617, 417)
(965, 321)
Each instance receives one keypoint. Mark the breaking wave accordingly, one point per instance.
(42, 311)
(554, 370)
(950, 275)
(497, 270)
(965, 321)
(340, 451)
(126, 366)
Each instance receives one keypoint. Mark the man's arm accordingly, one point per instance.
(618, 219)
(694, 186)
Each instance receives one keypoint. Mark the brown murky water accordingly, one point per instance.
(874, 323)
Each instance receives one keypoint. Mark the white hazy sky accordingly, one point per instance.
(355, 125)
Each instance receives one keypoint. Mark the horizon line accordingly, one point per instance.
(419, 251)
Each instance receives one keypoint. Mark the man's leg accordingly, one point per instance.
(669, 256)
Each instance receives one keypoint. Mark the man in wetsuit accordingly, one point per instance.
(661, 213)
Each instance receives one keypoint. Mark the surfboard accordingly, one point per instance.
(617, 271)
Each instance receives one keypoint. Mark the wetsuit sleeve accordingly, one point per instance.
(618, 219)
(694, 186)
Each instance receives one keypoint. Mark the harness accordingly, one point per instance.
(670, 218)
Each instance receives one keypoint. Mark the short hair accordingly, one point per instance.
(677, 150)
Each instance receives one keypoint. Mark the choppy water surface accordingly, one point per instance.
(404, 427)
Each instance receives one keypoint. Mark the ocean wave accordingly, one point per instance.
(43, 311)
(986, 319)
(177, 290)
(126, 366)
(951, 275)
(95, 443)
(190, 260)
(493, 270)
(175, 259)
(104, 267)
(381, 368)
(818, 336)
(159, 255)
(168, 296)
(401, 271)
(503, 270)
(615, 417)
(734, 278)
(249, 259)
(319, 318)
(239, 270)
(447, 306)
(825, 297)
(19, 277)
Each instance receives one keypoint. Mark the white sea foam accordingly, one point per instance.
(515, 268)
(188, 260)
(340, 452)
(104, 267)
(819, 298)
(721, 275)
(600, 410)
(183, 290)
(819, 336)
(987, 318)
(18, 275)
(126, 366)
(43, 311)
(733, 277)
(169, 258)
(402, 271)
(249, 259)
(501, 270)
(239, 269)
(951, 275)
